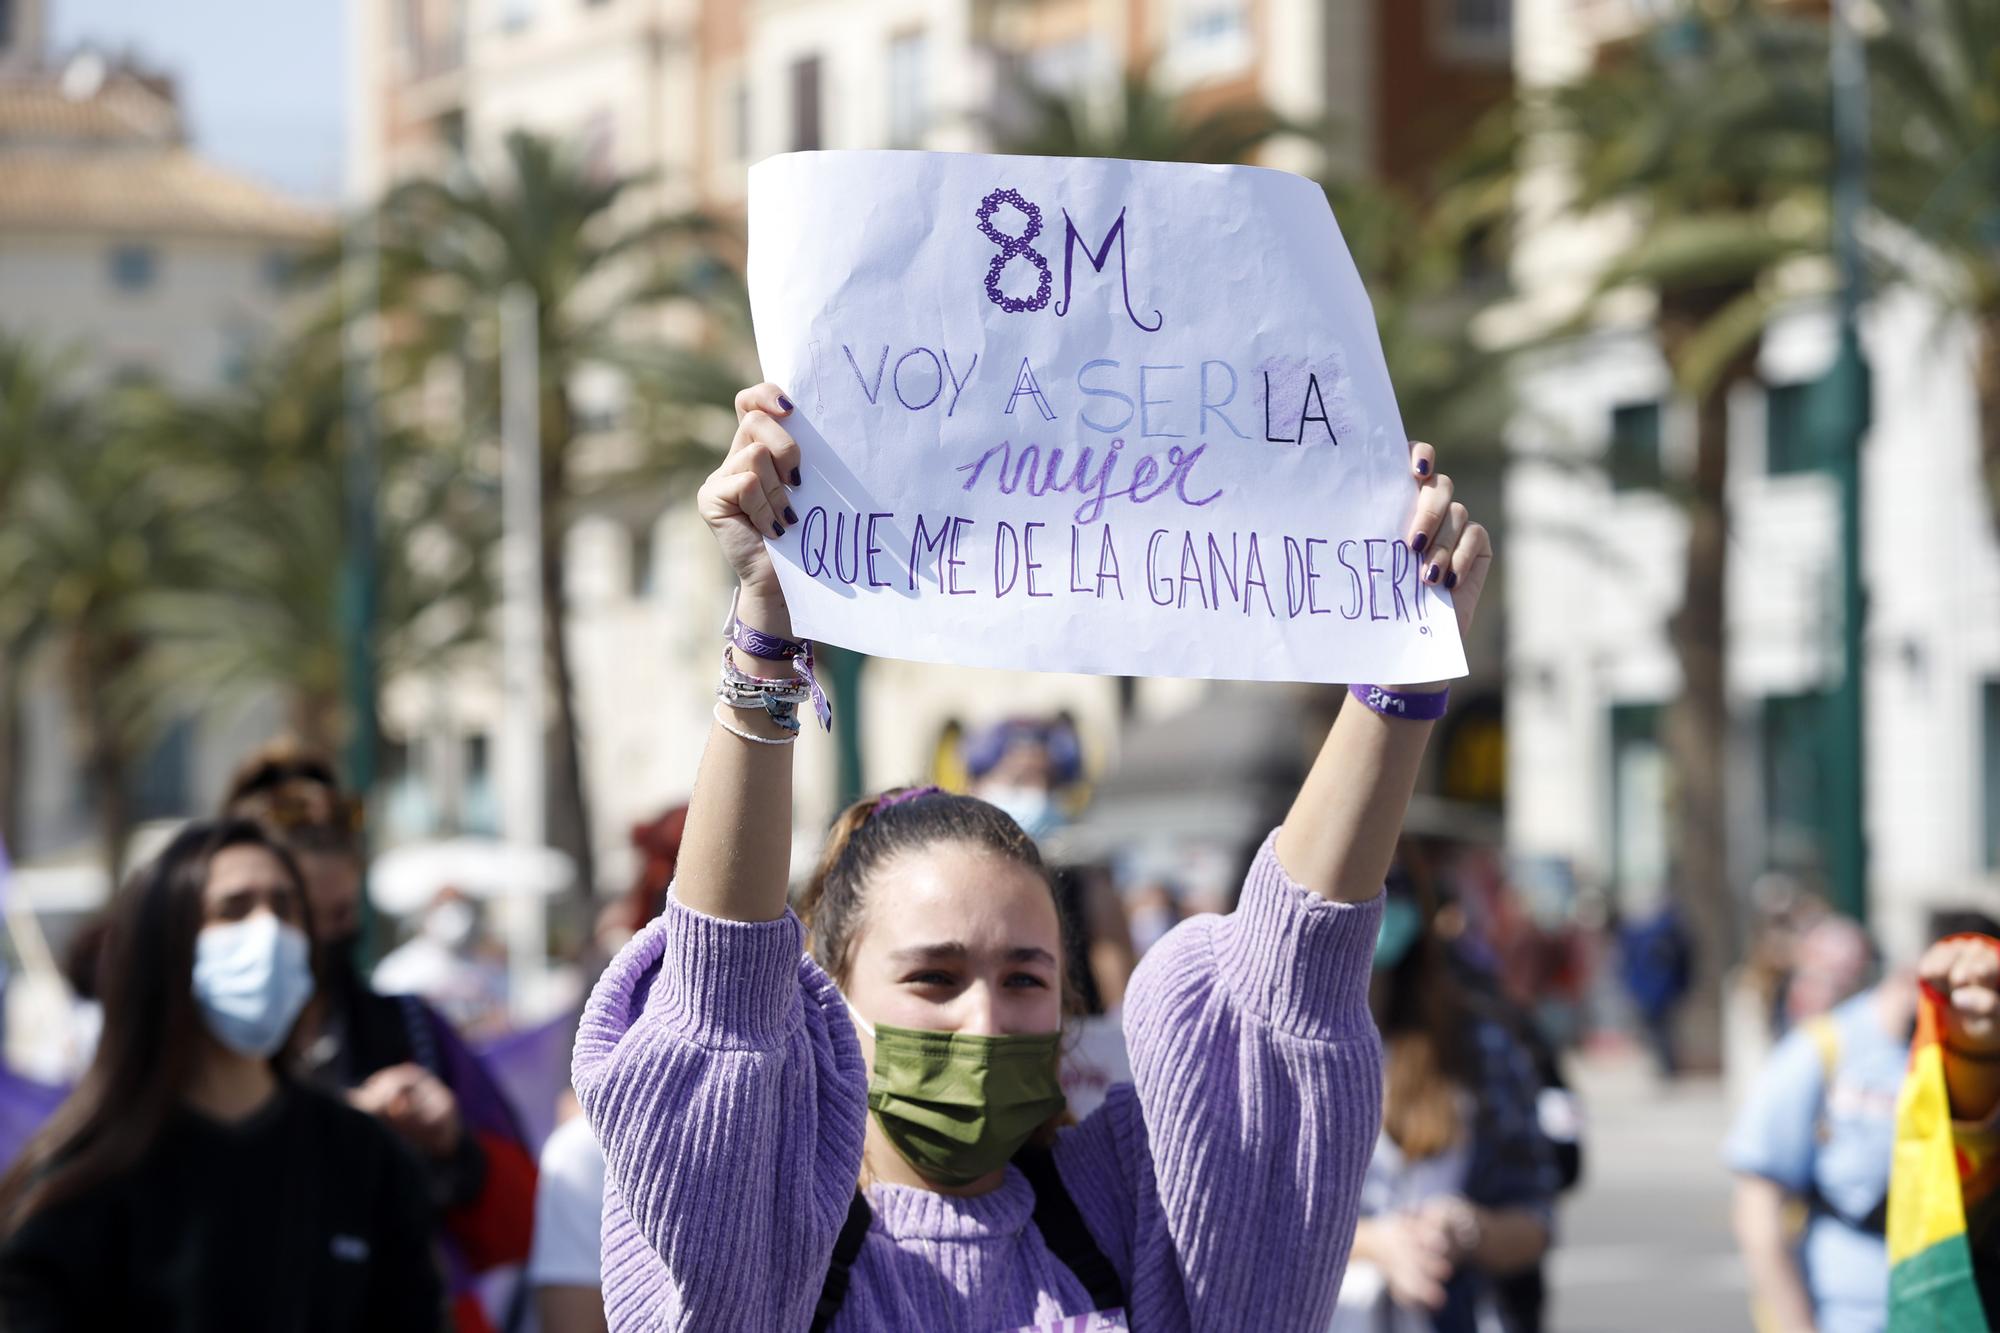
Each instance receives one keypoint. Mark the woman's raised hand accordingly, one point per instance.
(1452, 551)
(748, 498)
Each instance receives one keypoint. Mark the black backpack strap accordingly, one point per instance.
(1065, 1234)
(846, 1249)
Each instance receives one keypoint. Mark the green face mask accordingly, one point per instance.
(958, 1107)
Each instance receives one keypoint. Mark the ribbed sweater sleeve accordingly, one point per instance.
(720, 1073)
(1225, 1184)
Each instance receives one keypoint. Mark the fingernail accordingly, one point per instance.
(1417, 544)
(1451, 580)
(795, 476)
(1433, 575)
(1423, 464)
(790, 517)
(784, 402)
(778, 530)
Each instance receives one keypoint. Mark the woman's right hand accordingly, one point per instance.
(747, 499)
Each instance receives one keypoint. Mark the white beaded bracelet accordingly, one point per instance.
(723, 722)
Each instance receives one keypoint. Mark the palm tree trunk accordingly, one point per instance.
(104, 759)
(1697, 731)
(315, 717)
(1987, 380)
(10, 750)
(569, 805)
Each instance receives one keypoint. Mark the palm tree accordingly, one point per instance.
(1708, 135)
(265, 466)
(93, 526)
(546, 223)
(39, 410)
(1935, 170)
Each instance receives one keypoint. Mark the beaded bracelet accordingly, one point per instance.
(772, 648)
(723, 722)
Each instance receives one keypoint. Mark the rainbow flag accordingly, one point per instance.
(1933, 1180)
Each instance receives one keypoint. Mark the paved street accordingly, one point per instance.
(1645, 1241)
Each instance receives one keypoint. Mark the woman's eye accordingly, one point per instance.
(1026, 980)
(929, 979)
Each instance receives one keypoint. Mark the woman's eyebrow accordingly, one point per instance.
(954, 951)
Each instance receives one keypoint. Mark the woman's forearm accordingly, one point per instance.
(1342, 829)
(1510, 1239)
(736, 854)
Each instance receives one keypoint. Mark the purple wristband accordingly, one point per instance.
(771, 648)
(1407, 707)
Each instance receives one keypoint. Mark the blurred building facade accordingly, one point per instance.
(1595, 565)
(123, 248)
(691, 92)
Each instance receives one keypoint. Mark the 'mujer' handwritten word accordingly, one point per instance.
(1043, 477)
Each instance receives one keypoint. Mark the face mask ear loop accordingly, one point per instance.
(855, 1014)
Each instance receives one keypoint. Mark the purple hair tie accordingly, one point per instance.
(905, 796)
(799, 652)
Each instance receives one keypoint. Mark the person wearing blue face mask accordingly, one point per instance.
(189, 1183)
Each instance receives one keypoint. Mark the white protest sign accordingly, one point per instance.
(1069, 414)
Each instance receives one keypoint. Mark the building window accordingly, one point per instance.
(1788, 437)
(1475, 30)
(1633, 458)
(598, 145)
(645, 555)
(1209, 39)
(134, 268)
(739, 121)
(805, 104)
(6, 22)
(161, 782)
(1638, 803)
(909, 108)
(1991, 764)
(1794, 798)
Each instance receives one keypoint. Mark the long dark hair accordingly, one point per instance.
(152, 1026)
(1423, 1014)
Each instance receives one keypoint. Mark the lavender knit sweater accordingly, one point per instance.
(722, 1075)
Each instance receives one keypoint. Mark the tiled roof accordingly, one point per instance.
(142, 190)
(105, 153)
(34, 109)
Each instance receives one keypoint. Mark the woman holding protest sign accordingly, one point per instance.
(742, 1091)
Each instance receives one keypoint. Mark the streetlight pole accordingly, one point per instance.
(359, 579)
(1847, 402)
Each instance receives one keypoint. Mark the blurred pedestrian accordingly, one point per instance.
(395, 1056)
(447, 963)
(190, 1182)
(1656, 960)
(565, 1268)
(1834, 961)
(1811, 1150)
(1461, 1188)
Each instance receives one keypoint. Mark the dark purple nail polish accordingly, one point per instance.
(778, 530)
(1423, 466)
(784, 402)
(795, 476)
(1417, 544)
(1433, 575)
(1451, 580)
(790, 517)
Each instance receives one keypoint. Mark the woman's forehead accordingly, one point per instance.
(953, 894)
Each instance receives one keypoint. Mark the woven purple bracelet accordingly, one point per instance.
(1413, 707)
(799, 652)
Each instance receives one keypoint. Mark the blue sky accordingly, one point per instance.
(262, 82)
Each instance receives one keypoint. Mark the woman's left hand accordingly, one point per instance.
(1453, 552)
